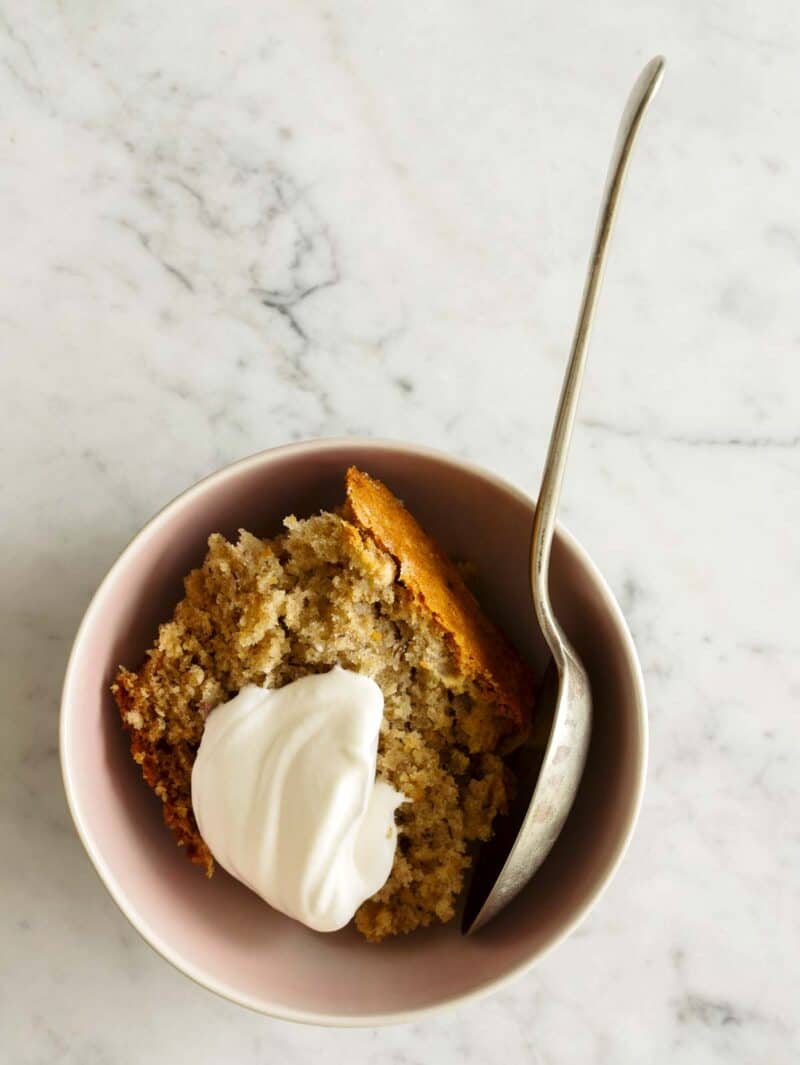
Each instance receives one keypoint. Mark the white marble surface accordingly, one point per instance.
(228, 226)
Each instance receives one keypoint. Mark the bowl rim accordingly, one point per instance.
(116, 890)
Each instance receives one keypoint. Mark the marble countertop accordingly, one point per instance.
(231, 226)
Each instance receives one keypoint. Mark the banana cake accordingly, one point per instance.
(364, 588)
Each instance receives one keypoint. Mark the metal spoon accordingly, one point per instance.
(509, 860)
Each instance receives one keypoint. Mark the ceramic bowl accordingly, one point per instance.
(219, 933)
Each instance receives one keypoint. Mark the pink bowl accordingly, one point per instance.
(219, 933)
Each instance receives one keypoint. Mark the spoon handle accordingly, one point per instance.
(641, 94)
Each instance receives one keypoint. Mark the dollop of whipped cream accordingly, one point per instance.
(285, 795)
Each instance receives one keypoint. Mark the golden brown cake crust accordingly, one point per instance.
(328, 591)
(483, 652)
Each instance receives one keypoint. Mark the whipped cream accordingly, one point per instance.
(285, 795)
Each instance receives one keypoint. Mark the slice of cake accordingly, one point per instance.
(368, 590)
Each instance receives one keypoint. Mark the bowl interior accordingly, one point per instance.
(219, 932)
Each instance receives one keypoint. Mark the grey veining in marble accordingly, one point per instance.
(229, 226)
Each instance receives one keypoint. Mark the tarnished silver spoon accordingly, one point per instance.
(507, 862)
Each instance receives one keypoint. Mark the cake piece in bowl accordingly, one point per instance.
(366, 589)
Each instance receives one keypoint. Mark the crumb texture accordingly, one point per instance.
(332, 590)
